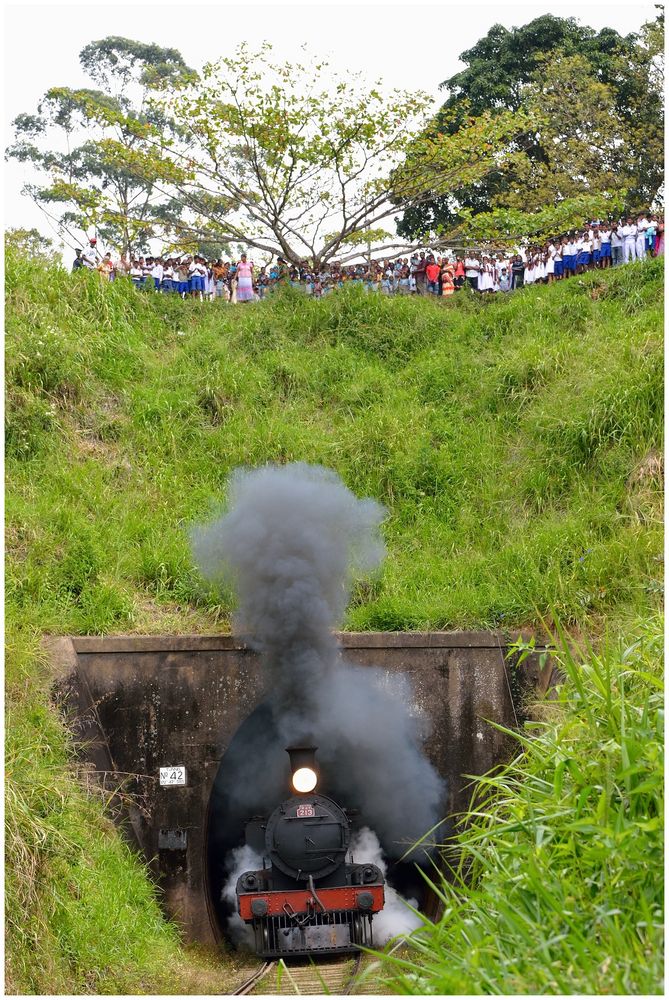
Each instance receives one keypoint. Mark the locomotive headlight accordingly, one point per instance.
(304, 779)
(303, 768)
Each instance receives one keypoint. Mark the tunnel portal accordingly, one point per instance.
(165, 721)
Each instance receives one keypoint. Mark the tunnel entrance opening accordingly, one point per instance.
(252, 780)
(253, 749)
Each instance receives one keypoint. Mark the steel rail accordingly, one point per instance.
(248, 984)
(353, 975)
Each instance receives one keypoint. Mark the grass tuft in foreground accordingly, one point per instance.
(559, 883)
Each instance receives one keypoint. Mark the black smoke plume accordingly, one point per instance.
(292, 541)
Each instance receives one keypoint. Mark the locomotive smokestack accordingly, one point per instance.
(292, 541)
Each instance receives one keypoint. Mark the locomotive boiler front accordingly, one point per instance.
(307, 836)
(309, 899)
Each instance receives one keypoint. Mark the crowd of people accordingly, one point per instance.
(598, 245)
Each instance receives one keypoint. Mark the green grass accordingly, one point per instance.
(558, 886)
(502, 436)
(514, 442)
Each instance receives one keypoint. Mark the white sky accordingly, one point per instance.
(408, 46)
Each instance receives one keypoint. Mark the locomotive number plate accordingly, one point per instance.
(175, 775)
(306, 809)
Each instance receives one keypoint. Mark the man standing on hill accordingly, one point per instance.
(642, 224)
(420, 276)
(432, 270)
(91, 257)
(616, 243)
(517, 271)
(472, 268)
(629, 234)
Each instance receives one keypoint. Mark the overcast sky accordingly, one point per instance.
(408, 46)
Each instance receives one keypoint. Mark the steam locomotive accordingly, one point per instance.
(308, 898)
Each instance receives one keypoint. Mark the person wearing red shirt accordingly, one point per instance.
(432, 275)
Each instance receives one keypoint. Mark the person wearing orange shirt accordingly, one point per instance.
(106, 267)
(447, 279)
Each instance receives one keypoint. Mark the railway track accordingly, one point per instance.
(332, 975)
(254, 979)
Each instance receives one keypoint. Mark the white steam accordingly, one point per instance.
(396, 919)
(241, 859)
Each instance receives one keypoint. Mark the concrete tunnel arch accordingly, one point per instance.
(139, 703)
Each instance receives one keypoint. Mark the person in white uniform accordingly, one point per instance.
(472, 269)
(642, 224)
(617, 244)
(629, 234)
(91, 255)
(550, 263)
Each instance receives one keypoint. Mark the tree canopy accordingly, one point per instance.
(29, 243)
(600, 99)
(289, 159)
(298, 162)
(89, 148)
(545, 122)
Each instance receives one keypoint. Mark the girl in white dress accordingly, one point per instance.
(494, 286)
(530, 269)
(209, 285)
(486, 275)
(550, 263)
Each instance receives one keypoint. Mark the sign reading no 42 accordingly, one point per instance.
(173, 775)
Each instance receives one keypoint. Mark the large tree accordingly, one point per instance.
(286, 158)
(601, 98)
(88, 145)
(294, 161)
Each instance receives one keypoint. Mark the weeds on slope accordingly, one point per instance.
(558, 887)
(78, 905)
(503, 436)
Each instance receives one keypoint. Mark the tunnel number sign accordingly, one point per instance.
(173, 775)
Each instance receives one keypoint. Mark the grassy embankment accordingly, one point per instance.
(558, 886)
(514, 442)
